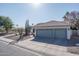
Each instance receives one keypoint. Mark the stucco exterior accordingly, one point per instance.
(69, 33)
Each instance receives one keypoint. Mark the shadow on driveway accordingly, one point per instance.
(61, 42)
(70, 44)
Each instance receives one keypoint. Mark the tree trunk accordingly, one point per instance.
(6, 30)
(26, 32)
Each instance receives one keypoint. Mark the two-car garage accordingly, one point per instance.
(52, 33)
(53, 30)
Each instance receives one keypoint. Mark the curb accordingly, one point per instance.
(42, 53)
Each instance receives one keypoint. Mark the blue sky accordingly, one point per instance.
(19, 13)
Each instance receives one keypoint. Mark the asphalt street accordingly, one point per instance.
(12, 50)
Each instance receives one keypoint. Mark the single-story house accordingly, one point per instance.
(53, 30)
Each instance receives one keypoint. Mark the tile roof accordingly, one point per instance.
(53, 23)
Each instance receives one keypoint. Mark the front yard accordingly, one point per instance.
(47, 43)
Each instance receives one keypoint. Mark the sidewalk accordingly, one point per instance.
(43, 48)
(5, 39)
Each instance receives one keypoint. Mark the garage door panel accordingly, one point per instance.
(60, 33)
(44, 33)
(53, 33)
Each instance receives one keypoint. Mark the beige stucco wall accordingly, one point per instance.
(53, 27)
(69, 33)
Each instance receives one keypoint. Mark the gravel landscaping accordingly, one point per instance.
(73, 49)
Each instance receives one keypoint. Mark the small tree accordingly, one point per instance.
(7, 24)
(20, 31)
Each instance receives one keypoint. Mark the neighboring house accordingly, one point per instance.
(53, 30)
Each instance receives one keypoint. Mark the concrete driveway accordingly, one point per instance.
(60, 42)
